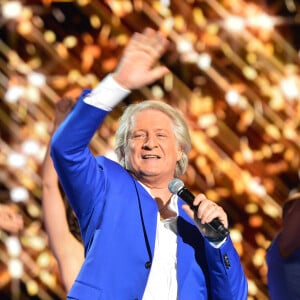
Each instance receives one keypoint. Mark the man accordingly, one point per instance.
(141, 242)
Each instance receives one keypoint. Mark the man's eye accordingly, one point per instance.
(139, 136)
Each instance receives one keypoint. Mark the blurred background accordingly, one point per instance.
(234, 74)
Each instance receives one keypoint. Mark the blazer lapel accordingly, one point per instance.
(148, 214)
(185, 254)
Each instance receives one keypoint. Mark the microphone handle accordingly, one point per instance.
(214, 225)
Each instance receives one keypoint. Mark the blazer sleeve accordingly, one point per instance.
(226, 272)
(77, 168)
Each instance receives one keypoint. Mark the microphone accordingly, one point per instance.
(217, 230)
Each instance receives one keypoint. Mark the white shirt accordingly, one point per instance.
(162, 281)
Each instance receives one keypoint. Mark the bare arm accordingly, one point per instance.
(288, 240)
(66, 248)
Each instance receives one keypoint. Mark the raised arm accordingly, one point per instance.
(67, 250)
(75, 164)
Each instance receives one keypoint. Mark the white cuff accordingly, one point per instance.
(218, 244)
(107, 94)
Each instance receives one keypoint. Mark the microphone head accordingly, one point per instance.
(175, 185)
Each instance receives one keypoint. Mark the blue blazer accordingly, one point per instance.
(118, 218)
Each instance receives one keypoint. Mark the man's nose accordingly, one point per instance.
(150, 142)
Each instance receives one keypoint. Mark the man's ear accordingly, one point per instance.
(179, 154)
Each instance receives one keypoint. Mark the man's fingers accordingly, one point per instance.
(157, 73)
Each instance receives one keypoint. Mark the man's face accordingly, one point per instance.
(152, 150)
